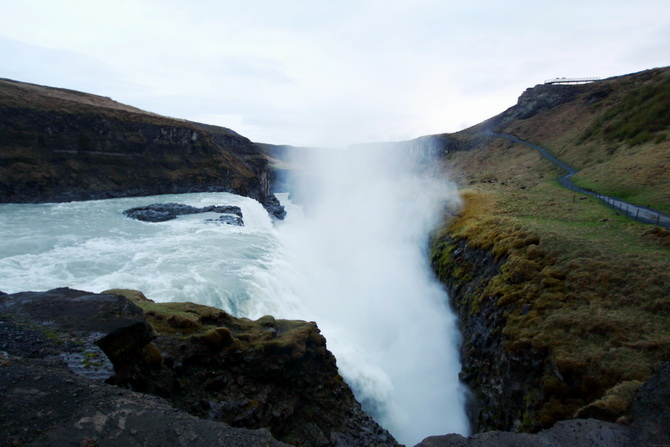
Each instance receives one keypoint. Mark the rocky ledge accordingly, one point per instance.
(117, 369)
(161, 212)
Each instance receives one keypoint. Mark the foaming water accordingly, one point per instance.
(354, 261)
(360, 247)
(92, 246)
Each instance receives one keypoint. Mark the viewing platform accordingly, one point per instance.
(571, 80)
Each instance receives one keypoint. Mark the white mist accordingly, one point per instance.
(362, 272)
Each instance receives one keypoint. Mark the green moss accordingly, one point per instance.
(92, 360)
(152, 355)
(174, 318)
(217, 337)
(614, 404)
(593, 299)
(641, 116)
(215, 329)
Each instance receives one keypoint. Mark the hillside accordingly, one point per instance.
(564, 303)
(58, 145)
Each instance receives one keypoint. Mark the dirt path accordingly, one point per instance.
(641, 213)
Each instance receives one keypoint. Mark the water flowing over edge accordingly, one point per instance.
(355, 262)
(360, 247)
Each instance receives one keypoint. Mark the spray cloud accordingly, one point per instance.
(359, 244)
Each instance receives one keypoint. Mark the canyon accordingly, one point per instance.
(531, 295)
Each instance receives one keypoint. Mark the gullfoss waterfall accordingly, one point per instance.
(351, 257)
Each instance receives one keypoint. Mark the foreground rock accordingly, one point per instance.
(575, 433)
(45, 404)
(648, 426)
(250, 382)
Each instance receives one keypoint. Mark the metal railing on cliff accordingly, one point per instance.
(641, 213)
(571, 80)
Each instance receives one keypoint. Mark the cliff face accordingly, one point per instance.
(541, 98)
(502, 382)
(59, 145)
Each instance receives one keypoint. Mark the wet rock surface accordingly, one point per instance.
(161, 212)
(184, 375)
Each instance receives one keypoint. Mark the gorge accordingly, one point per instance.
(549, 328)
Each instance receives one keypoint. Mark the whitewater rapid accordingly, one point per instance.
(356, 267)
(92, 246)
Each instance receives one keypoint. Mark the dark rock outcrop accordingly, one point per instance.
(44, 404)
(540, 98)
(269, 373)
(161, 212)
(249, 382)
(651, 409)
(60, 145)
(228, 219)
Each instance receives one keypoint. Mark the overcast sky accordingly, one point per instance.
(328, 73)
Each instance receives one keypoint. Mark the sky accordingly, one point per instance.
(326, 73)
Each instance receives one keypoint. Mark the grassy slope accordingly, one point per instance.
(21, 94)
(616, 134)
(589, 287)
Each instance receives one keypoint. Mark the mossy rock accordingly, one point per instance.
(175, 318)
(614, 405)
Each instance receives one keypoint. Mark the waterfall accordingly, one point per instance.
(351, 257)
